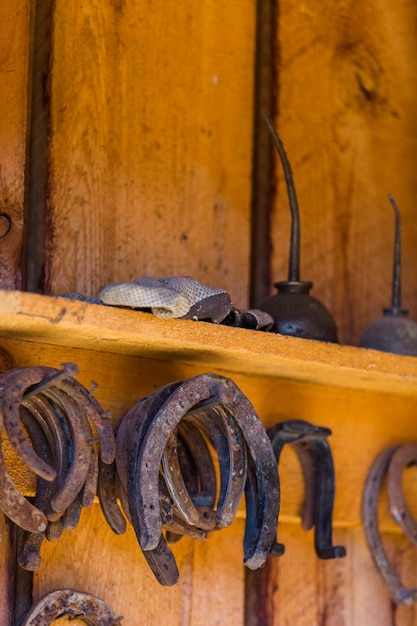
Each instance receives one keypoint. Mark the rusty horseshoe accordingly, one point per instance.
(398, 592)
(72, 604)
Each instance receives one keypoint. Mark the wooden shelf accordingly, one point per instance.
(71, 323)
(367, 398)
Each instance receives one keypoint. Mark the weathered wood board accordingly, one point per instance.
(149, 163)
(14, 59)
(210, 590)
(151, 144)
(7, 571)
(297, 588)
(351, 401)
(345, 101)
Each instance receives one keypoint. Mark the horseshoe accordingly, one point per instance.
(95, 414)
(70, 603)
(48, 417)
(144, 472)
(80, 434)
(16, 506)
(376, 475)
(106, 490)
(14, 384)
(222, 430)
(205, 493)
(404, 456)
(227, 440)
(160, 559)
(54, 429)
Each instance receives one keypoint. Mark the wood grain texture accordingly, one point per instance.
(112, 567)
(363, 422)
(7, 572)
(367, 408)
(69, 323)
(151, 108)
(14, 54)
(297, 588)
(346, 106)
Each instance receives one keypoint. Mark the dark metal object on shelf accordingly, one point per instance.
(71, 604)
(253, 319)
(379, 469)
(313, 450)
(394, 332)
(294, 310)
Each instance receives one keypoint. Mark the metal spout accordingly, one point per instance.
(294, 311)
(393, 332)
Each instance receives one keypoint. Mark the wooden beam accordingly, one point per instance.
(14, 61)
(151, 144)
(346, 114)
(368, 399)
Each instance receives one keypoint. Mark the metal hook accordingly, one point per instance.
(314, 453)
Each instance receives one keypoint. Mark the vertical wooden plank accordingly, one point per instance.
(7, 543)
(92, 558)
(151, 143)
(371, 603)
(14, 52)
(7, 578)
(346, 113)
(218, 578)
(298, 588)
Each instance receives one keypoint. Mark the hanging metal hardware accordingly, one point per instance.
(314, 453)
(391, 461)
(394, 332)
(166, 477)
(403, 457)
(55, 425)
(71, 604)
(294, 310)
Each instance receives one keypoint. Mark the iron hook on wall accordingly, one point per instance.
(314, 453)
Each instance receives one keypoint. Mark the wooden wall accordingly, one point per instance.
(148, 162)
(14, 79)
(150, 148)
(150, 151)
(345, 101)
